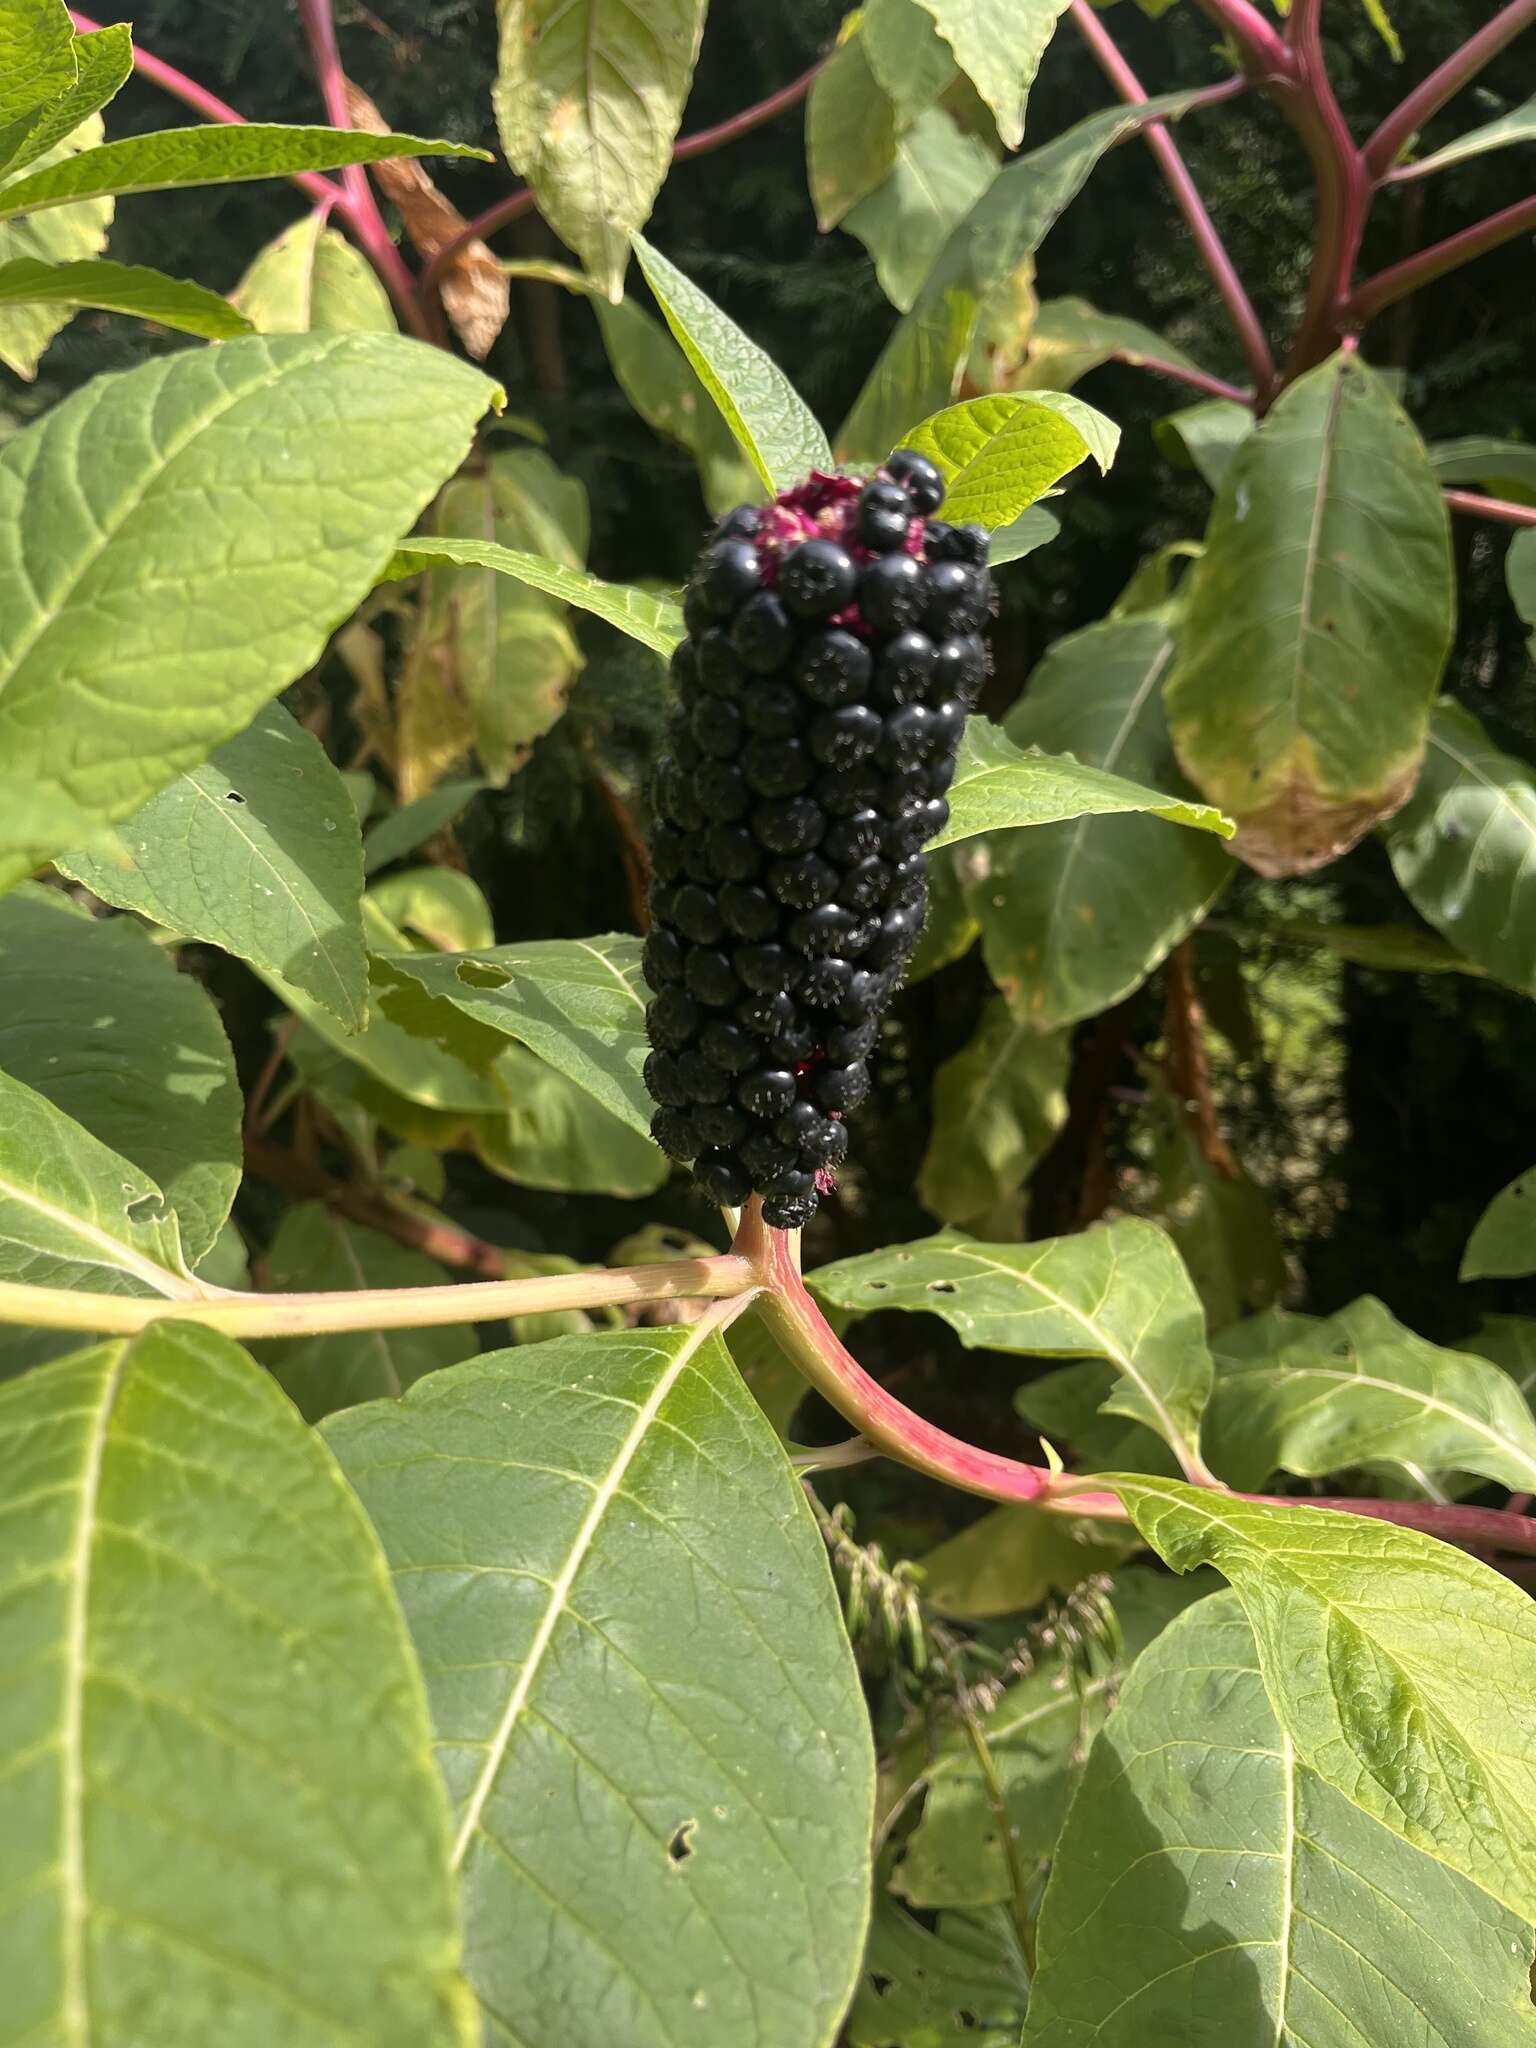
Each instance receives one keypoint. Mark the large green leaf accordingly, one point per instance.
(908, 56)
(588, 97)
(656, 1749)
(669, 395)
(68, 234)
(216, 155)
(103, 61)
(1464, 847)
(177, 541)
(996, 1107)
(98, 1020)
(1209, 1888)
(1317, 623)
(998, 44)
(1518, 125)
(1117, 1292)
(938, 174)
(556, 1135)
(998, 787)
(219, 1810)
(1503, 1244)
(949, 1980)
(317, 1251)
(74, 1213)
(998, 455)
(121, 288)
(656, 622)
(37, 54)
(1520, 572)
(1401, 1669)
(1360, 1389)
(1077, 914)
(850, 133)
(256, 851)
(1014, 1558)
(1510, 1341)
(1222, 1223)
(577, 1003)
(310, 280)
(1069, 337)
(1205, 436)
(400, 832)
(776, 432)
(1507, 468)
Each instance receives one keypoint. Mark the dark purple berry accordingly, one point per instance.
(792, 824)
(777, 767)
(763, 633)
(663, 896)
(822, 930)
(854, 1040)
(905, 835)
(685, 667)
(717, 726)
(958, 543)
(721, 1123)
(769, 967)
(935, 816)
(817, 578)
(668, 850)
(897, 936)
(946, 727)
(793, 1048)
(797, 1123)
(843, 738)
(909, 881)
(788, 1212)
(904, 741)
(764, 1155)
(726, 576)
(841, 1088)
(722, 1177)
(744, 522)
(827, 982)
(941, 773)
(883, 515)
(697, 915)
(720, 673)
(672, 1019)
(864, 885)
(696, 611)
(734, 852)
(803, 881)
(833, 667)
(772, 708)
(900, 788)
(844, 794)
(766, 1092)
(918, 478)
(727, 1046)
(769, 1011)
(675, 1134)
(853, 839)
(827, 1145)
(698, 866)
(749, 913)
(959, 667)
(722, 790)
(791, 1183)
(662, 957)
(704, 1081)
(664, 1082)
(711, 978)
(892, 592)
(904, 670)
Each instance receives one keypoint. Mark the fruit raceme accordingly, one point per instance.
(834, 648)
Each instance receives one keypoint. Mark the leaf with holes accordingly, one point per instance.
(661, 1811)
(1503, 1244)
(1117, 1292)
(997, 455)
(210, 1710)
(1207, 1885)
(256, 851)
(948, 1980)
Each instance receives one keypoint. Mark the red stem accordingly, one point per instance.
(1343, 189)
(1409, 116)
(1258, 43)
(1478, 507)
(1388, 286)
(1200, 380)
(698, 144)
(1202, 228)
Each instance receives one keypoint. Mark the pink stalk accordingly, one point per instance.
(1343, 189)
(1180, 373)
(1388, 286)
(1476, 506)
(1408, 117)
(1202, 228)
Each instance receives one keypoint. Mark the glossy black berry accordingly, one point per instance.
(767, 1012)
(722, 790)
(822, 930)
(720, 1123)
(711, 978)
(698, 866)
(749, 913)
(904, 741)
(900, 788)
(941, 773)
(696, 611)
(763, 633)
(833, 667)
(704, 1081)
(798, 1122)
(841, 739)
(803, 881)
(722, 1177)
(817, 578)
(777, 767)
(905, 836)
(791, 824)
(726, 576)
(791, 1183)
(959, 667)
(697, 915)
(897, 936)
(663, 1081)
(672, 1019)
(909, 881)
(957, 543)
(674, 1132)
(769, 967)
(720, 671)
(668, 849)
(793, 1048)
(717, 726)
(662, 957)
(883, 515)
(826, 1145)
(855, 1041)
(772, 708)
(904, 671)
(735, 853)
(788, 1212)
(893, 592)
(685, 668)
(728, 1046)
(766, 1092)
(864, 885)
(841, 1088)
(765, 1155)
(741, 524)
(842, 793)
(935, 816)
(853, 839)
(826, 982)
(918, 478)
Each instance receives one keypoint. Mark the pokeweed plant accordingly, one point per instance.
(360, 1682)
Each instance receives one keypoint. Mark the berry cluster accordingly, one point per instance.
(833, 650)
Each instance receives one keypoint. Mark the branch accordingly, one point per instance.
(1198, 380)
(1343, 189)
(1476, 506)
(1259, 45)
(1202, 228)
(1410, 115)
(700, 143)
(1388, 286)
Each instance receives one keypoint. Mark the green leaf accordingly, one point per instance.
(1070, 1408)
(962, 1982)
(1316, 623)
(74, 1213)
(656, 622)
(588, 98)
(104, 60)
(1520, 573)
(1069, 337)
(951, 929)
(1392, 948)
(1117, 1292)
(37, 54)
(67, 234)
(1510, 1341)
(555, 1135)
(440, 905)
(1360, 1389)
(1507, 468)
(256, 851)
(121, 288)
(655, 1744)
(1518, 125)
(1077, 914)
(215, 155)
(850, 133)
(193, 530)
(998, 44)
(759, 404)
(97, 1019)
(1401, 1669)
(1206, 1885)
(1377, 15)
(938, 174)
(999, 787)
(1463, 847)
(1501, 1247)
(392, 837)
(998, 455)
(211, 1713)
(1033, 528)
(663, 387)
(577, 1003)
(997, 1106)
(910, 59)
(318, 1251)
(310, 280)
(1205, 436)
(1222, 1223)
(1015, 1558)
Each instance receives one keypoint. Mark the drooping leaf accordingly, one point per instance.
(103, 62)
(256, 851)
(1209, 1887)
(1510, 1341)
(193, 530)
(1205, 436)
(770, 422)
(999, 787)
(1033, 528)
(996, 1107)
(998, 44)
(556, 1135)
(1317, 622)
(669, 395)
(311, 280)
(97, 1019)
(1360, 1389)
(121, 288)
(998, 455)
(1401, 1669)
(655, 1746)
(1393, 948)
(1117, 1292)
(1503, 1244)
(577, 1003)
(1464, 847)
(215, 155)
(588, 98)
(68, 234)
(1518, 125)
(211, 1710)
(319, 1251)
(400, 832)
(440, 905)
(1506, 468)
(654, 621)
(938, 174)
(850, 133)
(908, 56)
(1015, 1558)
(1520, 573)
(1069, 337)
(1077, 914)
